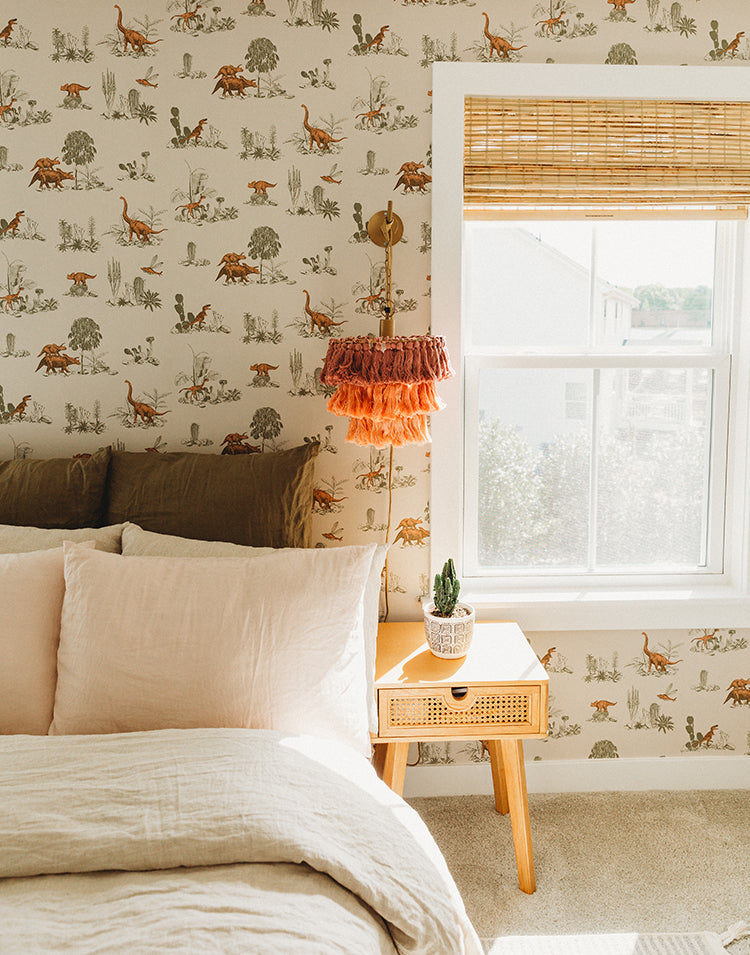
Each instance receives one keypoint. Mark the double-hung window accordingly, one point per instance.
(589, 264)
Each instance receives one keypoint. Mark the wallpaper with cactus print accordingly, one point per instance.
(184, 192)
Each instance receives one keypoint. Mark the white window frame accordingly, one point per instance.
(720, 599)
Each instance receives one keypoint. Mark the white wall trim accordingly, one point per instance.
(588, 775)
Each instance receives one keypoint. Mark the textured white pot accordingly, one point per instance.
(449, 637)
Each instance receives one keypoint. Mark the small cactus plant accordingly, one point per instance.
(446, 590)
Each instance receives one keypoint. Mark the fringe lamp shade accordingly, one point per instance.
(386, 386)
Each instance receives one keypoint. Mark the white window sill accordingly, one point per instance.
(642, 608)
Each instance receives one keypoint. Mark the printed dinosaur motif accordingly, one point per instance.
(47, 177)
(232, 85)
(411, 166)
(191, 207)
(372, 299)
(145, 82)
(8, 300)
(229, 70)
(665, 696)
(20, 408)
(200, 317)
(709, 735)
(74, 89)
(187, 16)
(377, 40)
(136, 40)
(656, 660)
(142, 410)
(501, 46)
(318, 137)
(620, 4)
(234, 444)
(52, 349)
(196, 132)
(369, 476)
(371, 115)
(705, 640)
(738, 694)
(194, 390)
(14, 223)
(551, 21)
(410, 533)
(136, 227)
(56, 362)
(732, 47)
(324, 499)
(7, 30)
(545, 660)
(232, 268)
(7, 108)
(318, 319)
(44, 162)
(602, 706)
(412, 180)
(262, 369)
(261, 188)
(79, 278)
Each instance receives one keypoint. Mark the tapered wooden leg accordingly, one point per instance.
(394, 766)
(518, 803)
(378, 758)
(498, 776)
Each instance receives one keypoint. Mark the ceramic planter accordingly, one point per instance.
(449, 637)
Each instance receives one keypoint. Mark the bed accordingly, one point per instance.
(186, 702)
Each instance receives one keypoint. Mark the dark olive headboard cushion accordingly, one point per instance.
(264, 500)
(56, 492)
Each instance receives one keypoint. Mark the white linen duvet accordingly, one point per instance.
(215, 840)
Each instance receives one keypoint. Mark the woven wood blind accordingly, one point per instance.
(541, 152)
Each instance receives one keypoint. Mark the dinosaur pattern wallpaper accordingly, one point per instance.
(184, 194)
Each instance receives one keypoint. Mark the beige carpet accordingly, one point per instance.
(653, 862)
(704, 943)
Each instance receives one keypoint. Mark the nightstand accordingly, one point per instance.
(497, 693)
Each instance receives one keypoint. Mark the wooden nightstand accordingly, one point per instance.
(496, 693)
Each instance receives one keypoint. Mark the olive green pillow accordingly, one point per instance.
(261, 500)
(56, 492)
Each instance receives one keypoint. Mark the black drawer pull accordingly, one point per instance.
(459, 692)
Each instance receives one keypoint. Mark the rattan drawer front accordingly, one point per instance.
(435, 711)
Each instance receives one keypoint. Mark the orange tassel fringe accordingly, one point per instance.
(386, 386)
(382, 434)
(385, 401)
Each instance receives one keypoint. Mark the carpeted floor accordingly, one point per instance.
(605, 862)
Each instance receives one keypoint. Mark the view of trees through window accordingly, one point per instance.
(588, 466)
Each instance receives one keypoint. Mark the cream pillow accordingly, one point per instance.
(136, 541)
(273, 641)
(31, 596)
(17, 539)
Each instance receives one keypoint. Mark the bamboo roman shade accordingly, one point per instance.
(579, 152)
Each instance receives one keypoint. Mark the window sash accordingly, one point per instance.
(718, 364)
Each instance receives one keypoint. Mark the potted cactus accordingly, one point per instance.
(448, 624)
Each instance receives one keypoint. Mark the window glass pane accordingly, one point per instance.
(527, 285)
(660, 276)
(533, 465)
(652, 466)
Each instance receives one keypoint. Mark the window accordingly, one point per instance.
(600, 412)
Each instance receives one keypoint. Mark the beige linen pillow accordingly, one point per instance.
(31, 596)
(19, 539)
(273, 641)
(137, 542)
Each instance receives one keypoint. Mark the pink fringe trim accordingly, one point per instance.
(383, 434)
(371, 360)
(385, 401)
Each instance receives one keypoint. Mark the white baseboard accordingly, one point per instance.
(588, 775)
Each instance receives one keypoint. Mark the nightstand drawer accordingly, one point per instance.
(474, 711)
